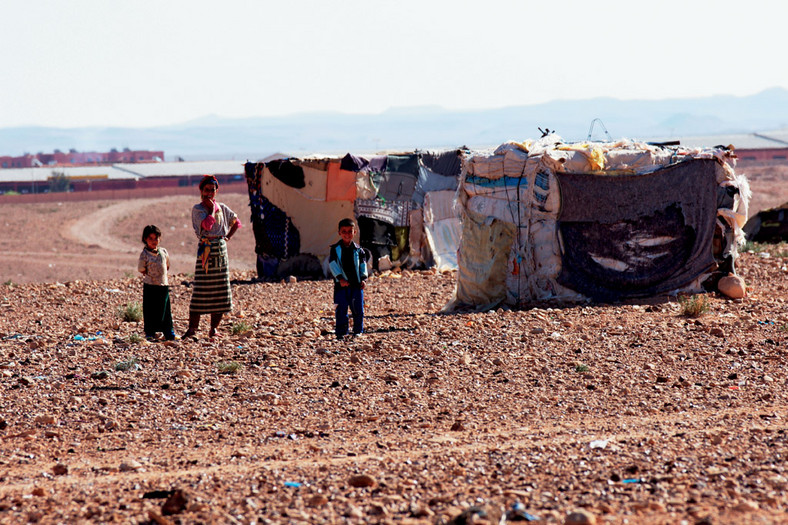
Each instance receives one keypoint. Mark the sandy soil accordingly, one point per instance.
(769, 185)
(626, 413)
(102, 239)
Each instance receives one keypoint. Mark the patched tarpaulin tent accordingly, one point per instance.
(549, 222)
(403, 204)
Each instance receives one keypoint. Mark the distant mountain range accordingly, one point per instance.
(428, 127)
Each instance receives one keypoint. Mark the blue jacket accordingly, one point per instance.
(359, 269)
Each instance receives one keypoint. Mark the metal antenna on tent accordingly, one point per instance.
(591, 129)
(545, 131)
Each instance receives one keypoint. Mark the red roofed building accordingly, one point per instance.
(77, 158)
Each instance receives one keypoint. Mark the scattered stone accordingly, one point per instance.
(60, 470)
(130, 466)
(470, 516)
(580, 517)
(361, 481)
(158, 518)
(45, 420)
(421, 511)
(318, 500)
(176, 503)
(354, 512)
(746, 506)
(733, 286)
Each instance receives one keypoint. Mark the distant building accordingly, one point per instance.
(766, 147)
(77, 158)
(120, 176)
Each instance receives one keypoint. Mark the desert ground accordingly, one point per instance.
(620, 413)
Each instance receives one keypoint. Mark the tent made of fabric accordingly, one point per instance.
(297, 204)
(550, 222)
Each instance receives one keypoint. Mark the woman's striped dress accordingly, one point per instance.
(211, 293)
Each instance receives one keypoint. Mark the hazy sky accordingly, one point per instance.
(140, 63)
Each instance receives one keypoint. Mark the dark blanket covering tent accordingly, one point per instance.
(637, 235)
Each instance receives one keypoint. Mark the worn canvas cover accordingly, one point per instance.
(315, 218)
(442, 228)
(482, 262)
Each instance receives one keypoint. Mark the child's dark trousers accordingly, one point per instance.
(156, 311)
(353, 298)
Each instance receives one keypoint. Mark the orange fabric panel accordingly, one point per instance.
(340, 184)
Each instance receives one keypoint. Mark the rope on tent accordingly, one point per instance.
(591, 129)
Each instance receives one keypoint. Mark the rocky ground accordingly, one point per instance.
(629, 413)
(616, 413)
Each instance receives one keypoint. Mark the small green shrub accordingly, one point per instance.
(751, 246)
(581, 369)
(779, 249)
(129, 364)
(240, 328)
(694, 306)
(9, 282)
(135, 338)
(132, 312)
(229, 367)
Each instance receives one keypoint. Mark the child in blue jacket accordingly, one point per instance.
(347, 262)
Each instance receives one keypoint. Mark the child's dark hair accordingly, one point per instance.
(150, 228)
(346, 222)
(209, 179)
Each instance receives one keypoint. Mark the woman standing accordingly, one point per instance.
(214, 223)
